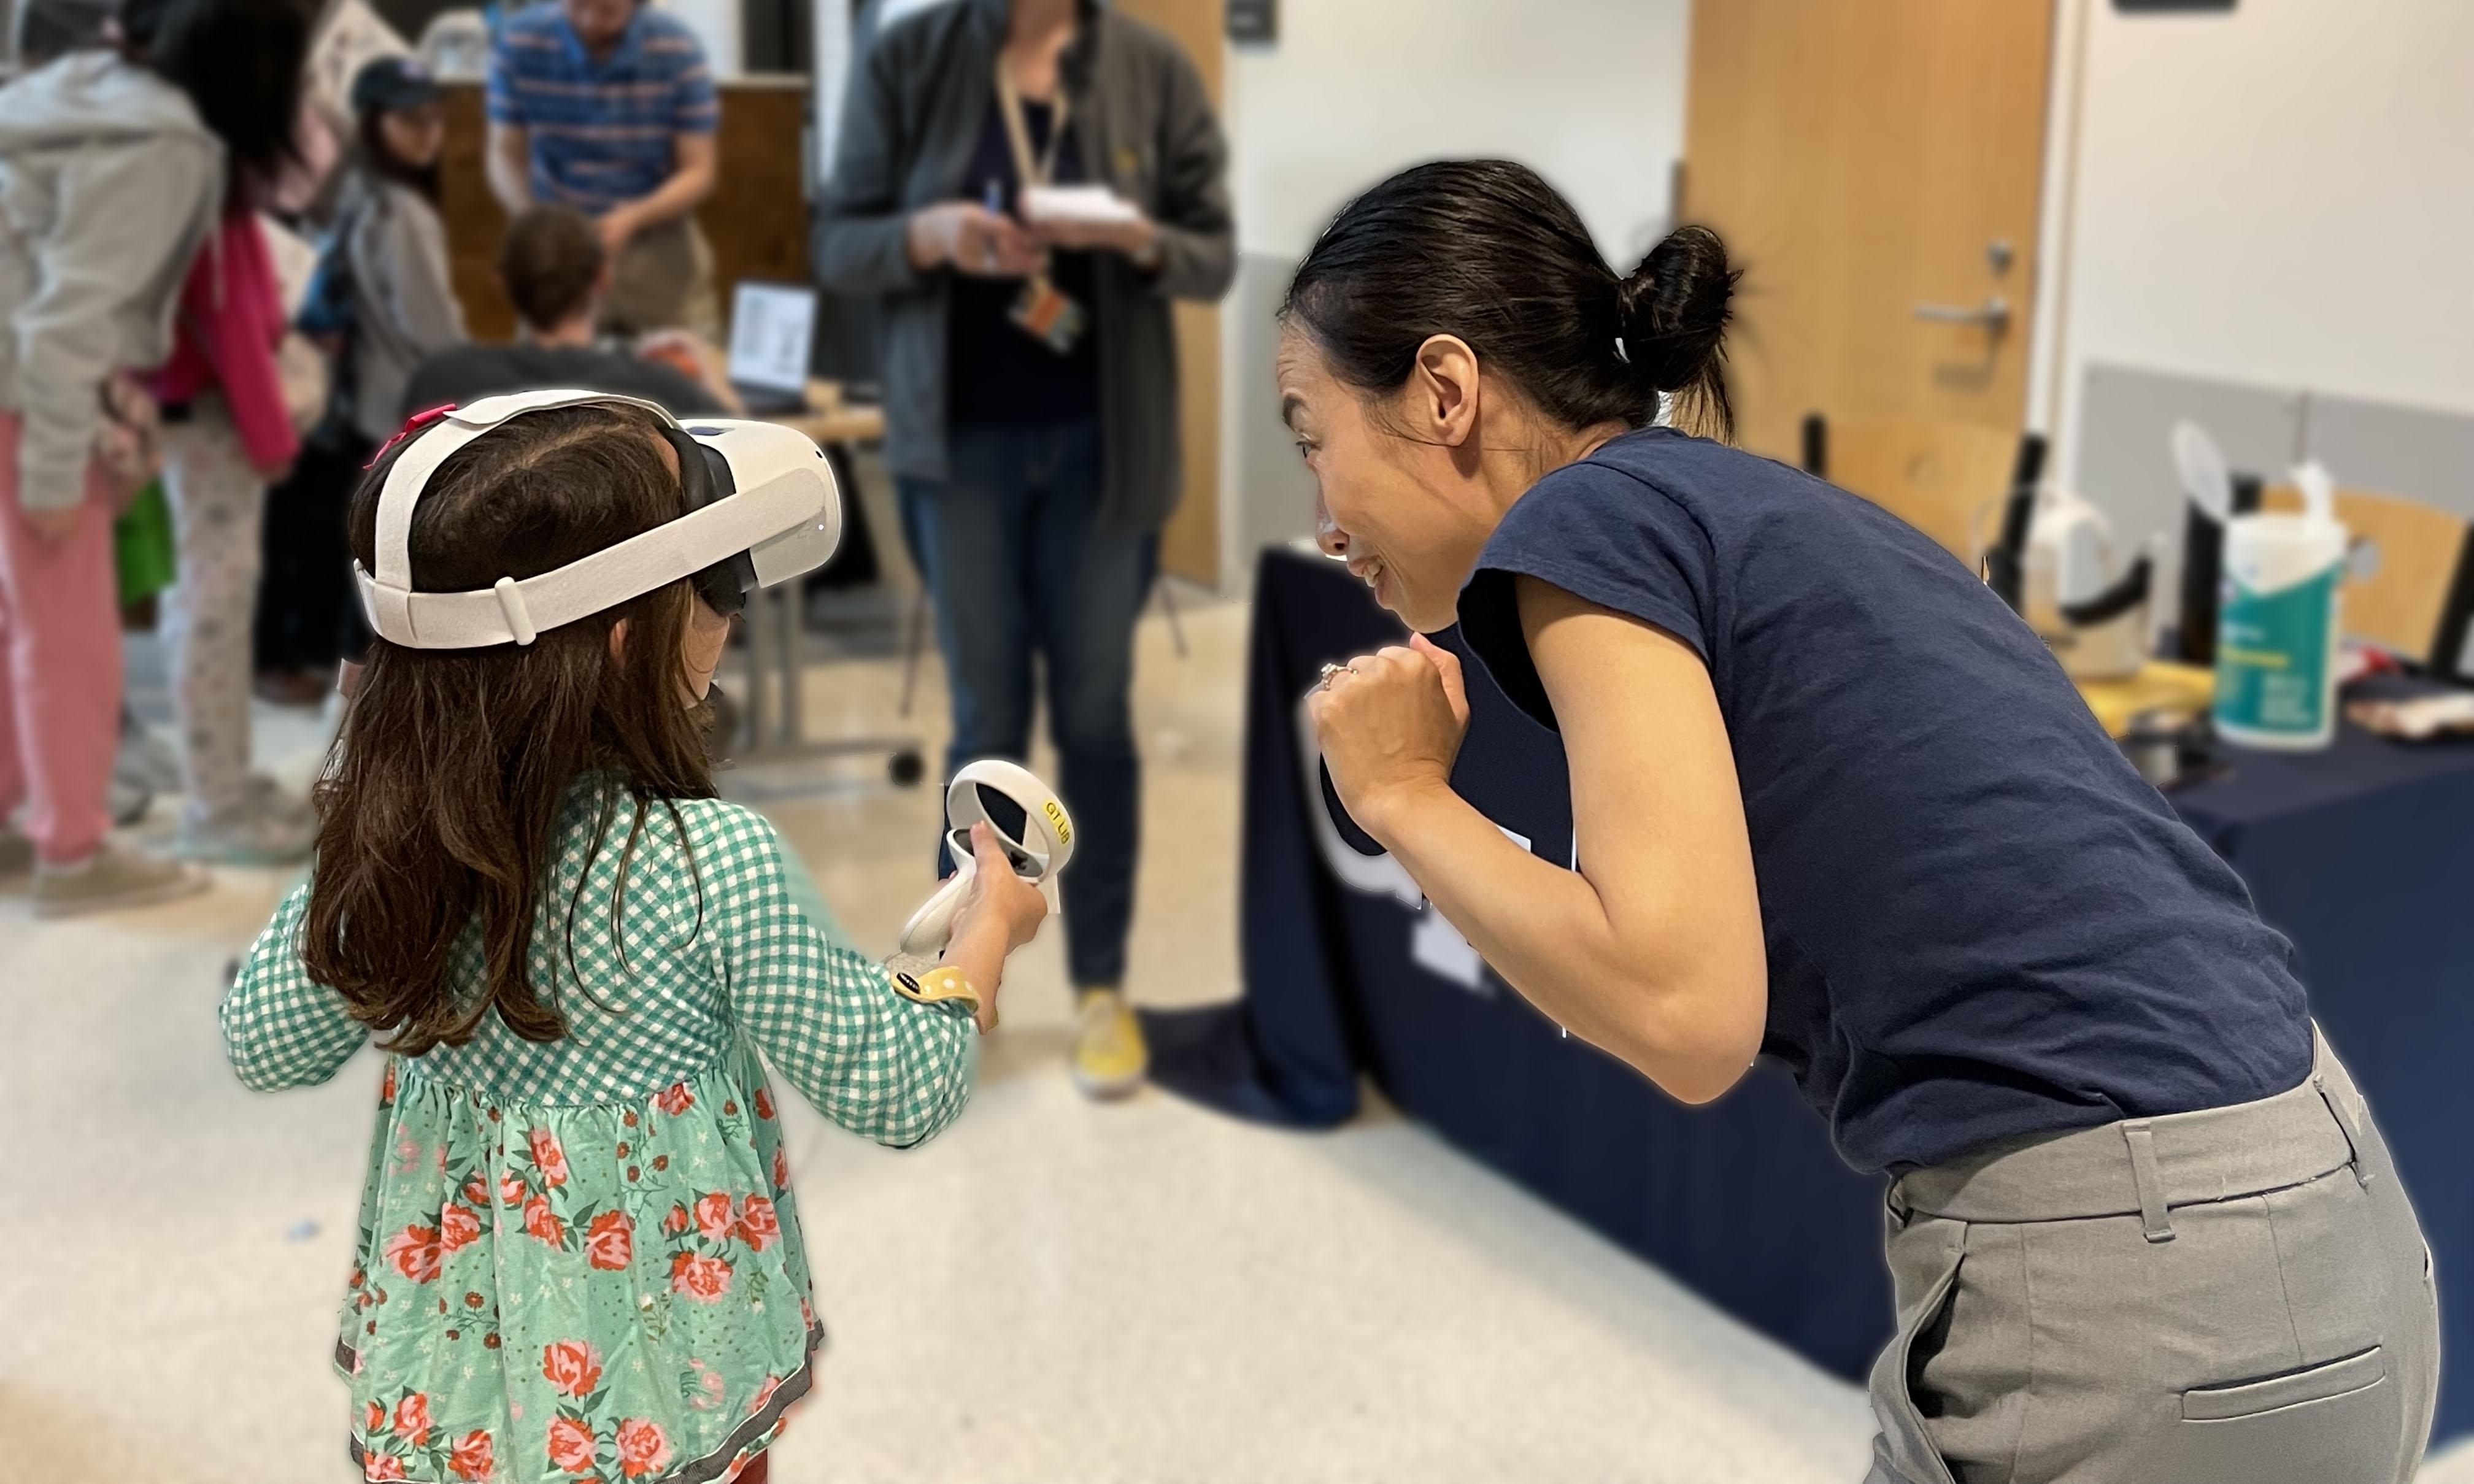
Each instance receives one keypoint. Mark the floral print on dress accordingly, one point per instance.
(623, 1187)
(553, 1217)
(399, 1438)
(571, 1234)
(584, 1437)
(610, 1241)
(416, 1252)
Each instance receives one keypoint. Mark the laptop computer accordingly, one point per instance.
(772, 338)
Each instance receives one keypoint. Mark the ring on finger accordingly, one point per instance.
(1331, 668)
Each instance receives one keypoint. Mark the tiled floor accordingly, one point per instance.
(1142, 1292)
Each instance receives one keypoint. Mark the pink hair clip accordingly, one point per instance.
(411, 426)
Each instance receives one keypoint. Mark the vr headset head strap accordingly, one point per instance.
(409, 476)
(712, 543)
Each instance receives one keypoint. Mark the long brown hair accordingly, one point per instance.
(441, 800)
(377, 159)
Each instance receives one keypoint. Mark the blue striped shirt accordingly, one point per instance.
(601, 128)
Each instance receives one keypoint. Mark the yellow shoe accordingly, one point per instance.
(1109, 1058)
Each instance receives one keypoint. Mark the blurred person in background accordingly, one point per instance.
(403, 296)
(41, 31)
(110, 180)
(553, 270)
(1030, 387)
(608, 105)
(228, 423)
(387, 301)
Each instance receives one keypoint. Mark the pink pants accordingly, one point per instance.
(59, 669)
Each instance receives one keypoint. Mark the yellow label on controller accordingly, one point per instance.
(1057, 817)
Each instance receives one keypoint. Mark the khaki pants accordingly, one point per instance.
(2235, 1296)
(664, 281)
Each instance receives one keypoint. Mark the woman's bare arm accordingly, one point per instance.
(1654, 951)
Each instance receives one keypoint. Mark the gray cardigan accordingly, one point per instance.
(403, 299)
(917, 102)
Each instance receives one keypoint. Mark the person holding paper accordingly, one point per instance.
(1030, 369)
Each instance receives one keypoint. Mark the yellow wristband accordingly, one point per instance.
(944, 984)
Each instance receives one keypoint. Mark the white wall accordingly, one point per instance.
(2282, 196)
(717, 24)
(1588, 92)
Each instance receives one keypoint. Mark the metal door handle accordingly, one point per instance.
(1994, 314)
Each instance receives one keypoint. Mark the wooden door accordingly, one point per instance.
(1190, 547)
(1870, 164)
(473, 222)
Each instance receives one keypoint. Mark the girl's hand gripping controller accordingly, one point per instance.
(1039, 854)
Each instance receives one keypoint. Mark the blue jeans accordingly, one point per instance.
(1018, 563)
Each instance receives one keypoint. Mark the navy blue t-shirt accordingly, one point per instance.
(999, 373)
(1980, 921)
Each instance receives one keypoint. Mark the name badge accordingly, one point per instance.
(1049, 315)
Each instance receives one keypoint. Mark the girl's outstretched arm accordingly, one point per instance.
(281, 1027)
(885, 1067)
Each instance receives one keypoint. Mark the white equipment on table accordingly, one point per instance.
(772, 338)
(2212, 500)
(2092, 616)
(1040, 851)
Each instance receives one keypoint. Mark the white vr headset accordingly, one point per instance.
(762, 508)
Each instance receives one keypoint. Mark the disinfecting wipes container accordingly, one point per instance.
(2277, 624)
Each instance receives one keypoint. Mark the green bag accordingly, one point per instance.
(141, 547)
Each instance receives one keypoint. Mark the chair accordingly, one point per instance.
(1940, 477)
(2412, 592)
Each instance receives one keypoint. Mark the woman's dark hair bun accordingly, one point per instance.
(1673, 309)
(1486, 251)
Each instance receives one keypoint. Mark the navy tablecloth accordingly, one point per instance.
(2363, 854)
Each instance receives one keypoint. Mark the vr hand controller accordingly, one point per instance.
(1038, 853)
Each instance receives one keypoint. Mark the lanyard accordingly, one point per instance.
(1033, 172)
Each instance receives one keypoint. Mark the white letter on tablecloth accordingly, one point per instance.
(1435, 946)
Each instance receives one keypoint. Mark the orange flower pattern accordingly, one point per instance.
(609, 1241)
(572, 1444)
(642, 1449)
(470, 1459)
(565, 1192)
(415, 1253)
(758, 1224)
(457, 1229)
(572, 1366)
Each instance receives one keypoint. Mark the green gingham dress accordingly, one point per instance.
(581, 1260)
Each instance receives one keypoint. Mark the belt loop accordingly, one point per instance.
(2345, 1125)
(2153, 1221)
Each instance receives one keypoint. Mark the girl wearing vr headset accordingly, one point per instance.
(578, 1253)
